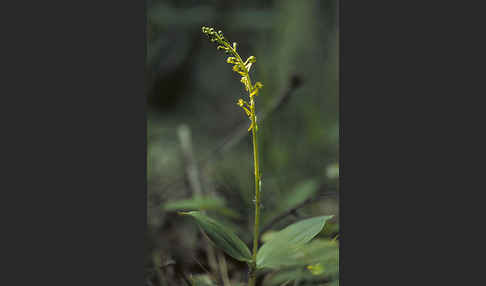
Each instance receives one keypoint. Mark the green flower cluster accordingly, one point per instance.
(239, 66)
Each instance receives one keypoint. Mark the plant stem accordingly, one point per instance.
(251, 281)
(252, 278)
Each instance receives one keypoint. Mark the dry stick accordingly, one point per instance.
(191, 169)
(195, 184)
(223, 269)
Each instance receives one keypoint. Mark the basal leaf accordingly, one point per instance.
(317, 252)
(289, 241)
(222, 237)
(313, 262)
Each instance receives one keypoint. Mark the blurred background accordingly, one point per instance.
(199, 150)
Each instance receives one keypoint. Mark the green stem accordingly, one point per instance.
(252, 278)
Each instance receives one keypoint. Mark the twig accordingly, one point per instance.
(191, 169)
(194, 181)
(223, 269)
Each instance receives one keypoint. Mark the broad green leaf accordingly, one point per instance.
(284, 277)
(222, 237)
(301, 192)
(201, 203)
(288, 242)
(324, 252)
(303, 263)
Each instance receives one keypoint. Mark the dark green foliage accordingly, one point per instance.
(286, 246)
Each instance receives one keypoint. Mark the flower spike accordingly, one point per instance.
(241, 68)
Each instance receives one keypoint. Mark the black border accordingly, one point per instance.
(404, 77)
(74, 185)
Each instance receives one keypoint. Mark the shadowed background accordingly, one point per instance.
(199, 152)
